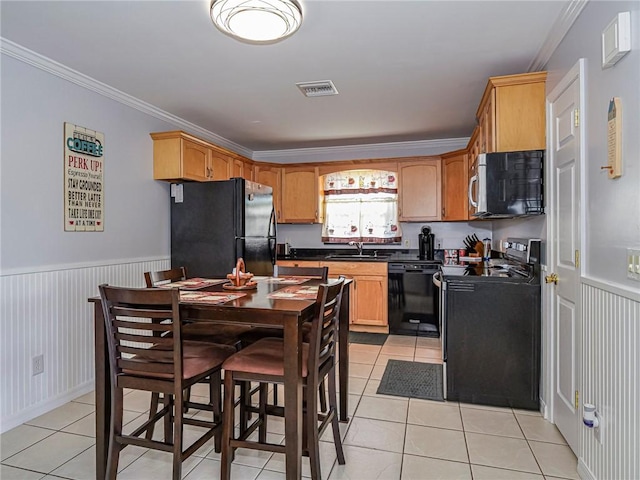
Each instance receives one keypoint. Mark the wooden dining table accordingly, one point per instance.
(256, 307)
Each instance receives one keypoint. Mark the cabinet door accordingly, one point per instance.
(487, 125)
(299, 194)
(455, 183)
(195, 161)
(419, 186)
(237, 168)
(221, 165)
(371, 300)
(520, 117)
(271, 176)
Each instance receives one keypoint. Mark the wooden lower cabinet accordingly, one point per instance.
(368, 309)
(298, 263)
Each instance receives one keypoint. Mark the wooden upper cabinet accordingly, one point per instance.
(455, 182)
(511, 114)
(271, 176)
(180, 156)
(299, 195)
(237, 168)
(221, 165)
(177, 157)
(419, 189)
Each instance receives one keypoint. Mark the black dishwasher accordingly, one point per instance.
(413, 299)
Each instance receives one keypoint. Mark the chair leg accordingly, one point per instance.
(275, 394)
(227, 426)
(187, 399)
(322, 392)
(115, 430)
(245, 401)
(333, 403)
(216, 404)
(311, 427)
(168, 418)
(262, 429)
(153, 409)
(177, 434)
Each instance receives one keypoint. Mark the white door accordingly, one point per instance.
(564, 189)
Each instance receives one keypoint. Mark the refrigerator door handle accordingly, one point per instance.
(272, 224)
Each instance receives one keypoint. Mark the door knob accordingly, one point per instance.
(553, 278)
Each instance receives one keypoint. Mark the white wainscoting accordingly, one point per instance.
(47, 312)
(611, 381)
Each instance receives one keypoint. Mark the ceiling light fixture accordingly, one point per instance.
(257, 21)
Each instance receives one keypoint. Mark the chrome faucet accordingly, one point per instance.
(358, 245)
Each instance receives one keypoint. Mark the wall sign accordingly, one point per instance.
(614, 138)
(83, 179)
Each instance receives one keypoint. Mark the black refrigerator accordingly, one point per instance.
(215, 223)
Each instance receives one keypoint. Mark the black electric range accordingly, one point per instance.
(491, 322)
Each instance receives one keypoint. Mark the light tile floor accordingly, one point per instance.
(387, 437)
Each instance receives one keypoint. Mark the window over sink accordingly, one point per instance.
(361, 205)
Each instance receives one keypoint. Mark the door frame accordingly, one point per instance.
(577, 72)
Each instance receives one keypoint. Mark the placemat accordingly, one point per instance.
(193, 283)
(413, 380)
(287, 280)
(209, 297)
(296, 293)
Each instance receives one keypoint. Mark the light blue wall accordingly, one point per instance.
(35, 105)
(612, 206)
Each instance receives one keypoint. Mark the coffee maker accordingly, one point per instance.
(425, 244)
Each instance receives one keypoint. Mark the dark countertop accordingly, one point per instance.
(327, 254)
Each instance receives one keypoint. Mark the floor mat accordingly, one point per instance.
(368, 338)
(413, 380)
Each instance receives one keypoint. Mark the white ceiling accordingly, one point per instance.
(406, 70)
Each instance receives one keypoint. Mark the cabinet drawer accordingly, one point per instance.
(298, 263)
(355, 268)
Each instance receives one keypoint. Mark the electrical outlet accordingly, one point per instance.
(37, 365)
(407, 242)
(633, 264)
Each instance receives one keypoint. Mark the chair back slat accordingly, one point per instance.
(136, 365)
(153, 279)
(312, 272)
(143, 331)
(152, 327)
(146, 339)
(324, 328)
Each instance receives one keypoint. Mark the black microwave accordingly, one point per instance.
(507, 184)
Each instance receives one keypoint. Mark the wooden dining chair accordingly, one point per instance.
(218, 334)
(198, 331)
(264, 361)
(162, 364)
(258, 333)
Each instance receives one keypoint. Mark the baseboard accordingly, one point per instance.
(34, 411)
(584, 472)
(368, 328)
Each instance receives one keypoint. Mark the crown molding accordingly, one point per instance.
(558, 31)
(297, 155)
(12, 49)
(355, 152)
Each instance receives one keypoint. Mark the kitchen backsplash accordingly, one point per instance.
(447, 234)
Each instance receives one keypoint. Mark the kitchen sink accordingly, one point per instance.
(355, 256)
